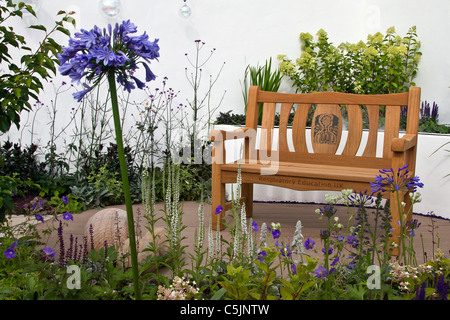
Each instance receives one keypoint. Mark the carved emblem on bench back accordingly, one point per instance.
(326, 128)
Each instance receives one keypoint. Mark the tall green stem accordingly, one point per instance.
(126, 186)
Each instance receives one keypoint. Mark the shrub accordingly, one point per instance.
(383, 64)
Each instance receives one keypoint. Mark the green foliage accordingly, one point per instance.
(243, 269)
(237, 283)
(264, 77)
(432, 127)
(8, 189)
(230, 118)
(23, 79)
(384, 64)
(20, 160)
(105, 183)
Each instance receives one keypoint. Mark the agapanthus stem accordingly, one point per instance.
(126, 186)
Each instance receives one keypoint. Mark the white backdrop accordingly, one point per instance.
(251, 31)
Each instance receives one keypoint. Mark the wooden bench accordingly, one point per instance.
(320, 168)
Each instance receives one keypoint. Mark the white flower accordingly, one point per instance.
(243, 220)
(276, 226)
(201, 234)
(262, 235)
(331, 198)
(346, 193)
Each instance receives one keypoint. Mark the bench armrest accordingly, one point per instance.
(222, 135)
(404, 143)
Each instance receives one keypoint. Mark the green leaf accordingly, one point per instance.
(286, 294)
(38, 27)
(219, 294)
(63, 30)
(306, 286)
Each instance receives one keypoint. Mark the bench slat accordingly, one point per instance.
(391, 128)
(267, 124)
(299, 128)
(395, 99)
(321, 171)
(355, 130)
(373, 111)
(285, 111)
(326, 159)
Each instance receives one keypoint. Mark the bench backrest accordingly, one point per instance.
(327, 123)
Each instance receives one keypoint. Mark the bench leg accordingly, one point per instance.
(247, 192)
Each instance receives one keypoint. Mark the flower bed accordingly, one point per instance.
(352, 259)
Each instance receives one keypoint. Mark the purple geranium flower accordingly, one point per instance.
(254, 226)
(49, 252)
(39, 218)
(10, 253)
(321, 272)
(67, 216)
(276, 233)
(294, 268)
(309, 244)
(65, 200)
(219, 209)
(261, 255)
(286, 252)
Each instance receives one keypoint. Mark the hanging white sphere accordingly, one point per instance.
(185, 11)
(110, 8)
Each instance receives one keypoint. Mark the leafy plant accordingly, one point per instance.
(20, 160)
(105, 184)
(8, 189)
(383, 64)
(230, 118)
(264, 77)
(23, 79)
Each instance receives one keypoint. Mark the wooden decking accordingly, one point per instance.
(287, 214)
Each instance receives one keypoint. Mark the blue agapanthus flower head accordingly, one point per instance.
(91, 54)
(388, 180)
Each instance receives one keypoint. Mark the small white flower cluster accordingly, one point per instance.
(180, 289)
(406, 275)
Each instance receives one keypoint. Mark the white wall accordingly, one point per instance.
(251, 31)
